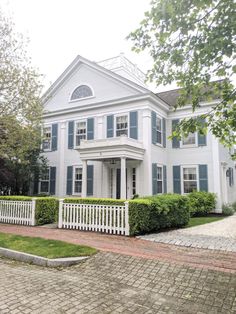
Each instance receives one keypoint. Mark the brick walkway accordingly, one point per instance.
(219, 235)
(115, 283)
(202, 259)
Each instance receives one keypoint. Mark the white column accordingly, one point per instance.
(84, 178)
(123, 178)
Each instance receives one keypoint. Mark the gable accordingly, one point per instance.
(105, 87)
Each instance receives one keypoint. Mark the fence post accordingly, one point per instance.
(126, 218)
(33, 211)
(60, 213)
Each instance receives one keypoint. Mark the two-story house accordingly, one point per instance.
(106, 135)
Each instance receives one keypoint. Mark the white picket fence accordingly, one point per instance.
(112, 219)
(18, 212)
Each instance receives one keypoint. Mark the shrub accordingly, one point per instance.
(153, 213)
(93, 200)
(228, 209)
(234, 206)
(201, 203)
(46, 210)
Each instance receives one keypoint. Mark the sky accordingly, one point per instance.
(59, 30)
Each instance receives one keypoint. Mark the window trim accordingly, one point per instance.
(115, 125)
(44, 127)
(182, 177)
(75, 133)
(48, 193)
(162, 177)
(73, 183)
(83, 98)
(161, 118)
(182, 145)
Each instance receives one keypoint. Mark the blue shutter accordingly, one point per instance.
(164, 132)
(176, 179)
(90, 129)
(69, 181)
(202, 137)
(52, 188)
(54, 136)
(164, 179)
(133, 119)
(154, 179)
(175, 141)
(110, 126)
(154, 127)
(36, 183)
(71, 135)
(89, 180)
(203, 178)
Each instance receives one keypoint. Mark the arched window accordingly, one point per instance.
(82, 91)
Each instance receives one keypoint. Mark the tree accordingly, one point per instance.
(193, 42)
(20, 112)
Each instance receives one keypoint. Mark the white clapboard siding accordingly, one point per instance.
(111, 219)
(17, 212)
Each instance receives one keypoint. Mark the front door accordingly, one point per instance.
(118, 183)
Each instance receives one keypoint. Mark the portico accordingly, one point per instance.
(119, 157)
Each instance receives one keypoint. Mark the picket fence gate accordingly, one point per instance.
(18, 212)
(112, 219)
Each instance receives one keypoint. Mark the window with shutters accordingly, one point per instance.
(159, 130)
(78, 180)
(159, 179)
(44, 181)
(47, 138)
(81, 92)
(190, 179)
(122, 123)
(80, 132)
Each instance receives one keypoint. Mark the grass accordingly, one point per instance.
(197, 221)
(43, 247)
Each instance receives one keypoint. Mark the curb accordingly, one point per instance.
(41, 261)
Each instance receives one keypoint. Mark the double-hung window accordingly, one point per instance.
(159, 130)
(122, 125)
(78, 180)
(189, 140)
(190, 182)
(81, 132)
(44, 181)
(159, 179)
(47, 138)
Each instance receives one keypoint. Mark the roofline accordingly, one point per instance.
(92, 64)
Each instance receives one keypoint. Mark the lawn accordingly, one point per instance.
(196, 221)
(43, 247)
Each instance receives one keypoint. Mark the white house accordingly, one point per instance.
(106, 135)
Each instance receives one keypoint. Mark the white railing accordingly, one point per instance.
(18, 212)
(113, 219)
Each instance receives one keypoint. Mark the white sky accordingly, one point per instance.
(59, 30)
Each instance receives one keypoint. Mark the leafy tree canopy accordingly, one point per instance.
(20, 110)
(193, 43)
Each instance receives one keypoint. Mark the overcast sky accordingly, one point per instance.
(59, 30)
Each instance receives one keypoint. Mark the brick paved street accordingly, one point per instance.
(219, 235)
(115, 283)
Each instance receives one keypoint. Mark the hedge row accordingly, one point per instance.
(93, 200)
(201, 203)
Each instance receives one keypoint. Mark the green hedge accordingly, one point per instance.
(92, 200)
(46, 210)
(201, 203)
(153, 213)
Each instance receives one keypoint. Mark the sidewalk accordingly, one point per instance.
(201, 258)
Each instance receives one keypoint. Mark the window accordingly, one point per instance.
(44, 181)
(189, 140)
(122, 125)
(81, 132)
(83, 91)
(159, 180)
(47, 138)
(78, 181)
(230, 173)
(189, 179)
(159, 130)
(134, 181)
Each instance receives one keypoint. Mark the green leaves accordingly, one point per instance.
(192, 42)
